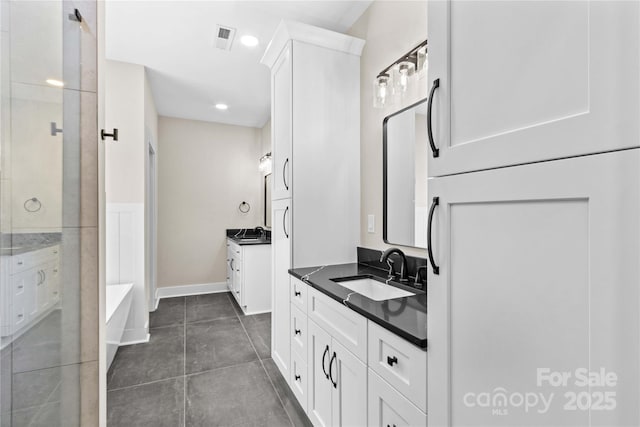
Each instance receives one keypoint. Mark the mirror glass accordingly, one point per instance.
(405, 176)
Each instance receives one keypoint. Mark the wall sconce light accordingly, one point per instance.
(397, 77)
(382, 89)
(265, 164)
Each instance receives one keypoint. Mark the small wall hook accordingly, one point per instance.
(113, 135)
(55, 130)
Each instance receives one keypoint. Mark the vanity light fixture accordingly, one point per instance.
(55, 82)
(398, 75)
(222, 106)
(265, 163)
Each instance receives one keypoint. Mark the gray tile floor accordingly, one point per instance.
(206, 364)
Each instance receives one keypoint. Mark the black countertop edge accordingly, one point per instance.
(404, 322)
(250, 233)
(242, 242)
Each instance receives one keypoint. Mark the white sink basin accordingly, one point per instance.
(373, 289)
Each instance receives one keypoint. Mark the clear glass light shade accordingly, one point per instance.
(423, 60)
(403, 73)
(382, 90)
(265, 164)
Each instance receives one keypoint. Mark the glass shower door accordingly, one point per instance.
(48, 214)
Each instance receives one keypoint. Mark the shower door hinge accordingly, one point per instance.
(113, 135)
(75, 16)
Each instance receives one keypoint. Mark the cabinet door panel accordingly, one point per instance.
(387, 407)
(280, 316)
(350, 393)
(281, 107)
(319, 385)
(510, 93)
(538, 270)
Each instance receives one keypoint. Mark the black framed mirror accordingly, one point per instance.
(267, 201)
(404, 171)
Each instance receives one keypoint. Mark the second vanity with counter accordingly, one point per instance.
(357, 360)
(249, 269)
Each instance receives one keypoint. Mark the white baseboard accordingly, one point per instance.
(135, 336)
(186, 290)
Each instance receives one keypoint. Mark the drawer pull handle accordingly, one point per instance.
(298, 331)
(284, 176)
(297, 377)
(335, 383)
(434, 149)
(296, 293)
(324, 356)
(390, 426)
(284, 222)
(436, 202)
(392, 360)
(19, 262)
(20, 316)
(20, 287)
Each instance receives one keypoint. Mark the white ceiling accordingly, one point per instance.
(188, 75)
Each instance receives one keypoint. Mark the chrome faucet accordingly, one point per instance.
(403, 267)
(260, 230)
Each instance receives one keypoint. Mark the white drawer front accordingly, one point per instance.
(299, 294)
(399, 362)
(342, 323)
(20, 263)
(299, 379)
(388, 408)
(299, 332)
(52, 253)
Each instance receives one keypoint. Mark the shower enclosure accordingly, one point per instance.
(48, 214)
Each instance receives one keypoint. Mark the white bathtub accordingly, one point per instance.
(118, 305)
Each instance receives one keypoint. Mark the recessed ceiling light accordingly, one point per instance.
(249, 41)
(222, 106)
(54, 82)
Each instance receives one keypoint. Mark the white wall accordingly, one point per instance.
(206, 170)
(391, 28)
(130, 108)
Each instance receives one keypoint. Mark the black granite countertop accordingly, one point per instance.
(406, 317)
(249, 236)
(21, 243)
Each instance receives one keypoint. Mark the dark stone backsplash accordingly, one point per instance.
(371, 258)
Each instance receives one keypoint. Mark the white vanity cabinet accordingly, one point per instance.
(538, 268)
(524, 94)
(315, 122)
(247, 268)
(341, 350)
(337, 378)
(30, 288)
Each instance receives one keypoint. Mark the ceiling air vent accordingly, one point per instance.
(224, 37)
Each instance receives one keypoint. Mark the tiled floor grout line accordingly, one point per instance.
(41, 407)
(147, 383)
(263, 368)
